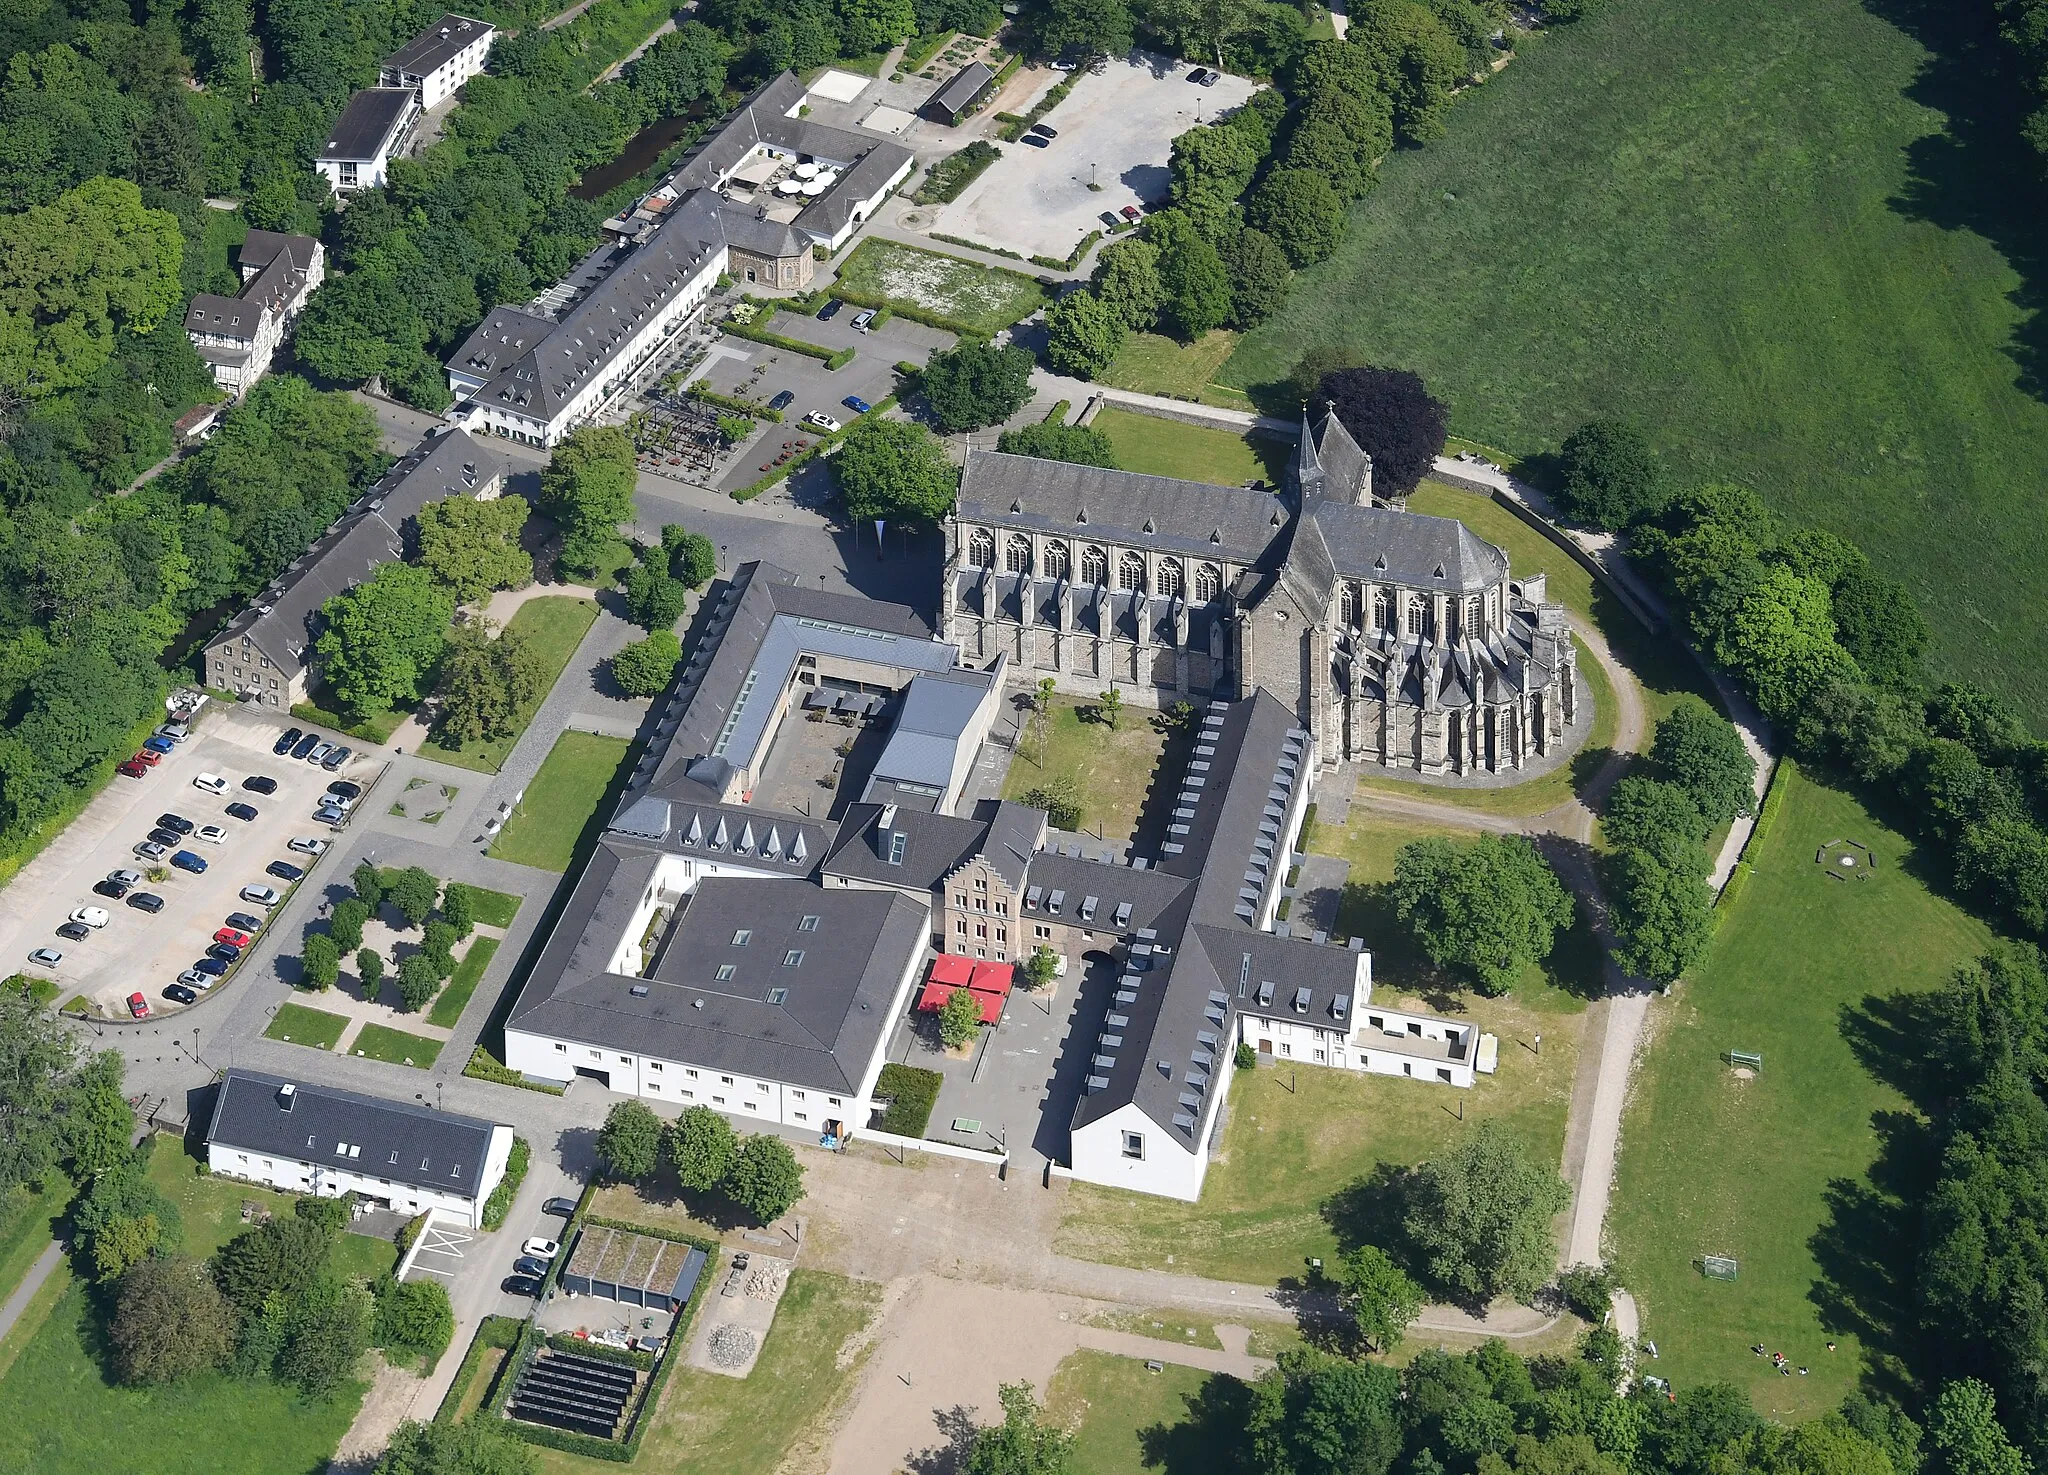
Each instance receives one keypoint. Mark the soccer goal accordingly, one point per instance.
(1718, 1267)
(1749, 1060)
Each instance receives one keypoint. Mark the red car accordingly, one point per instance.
(1131, 212)
(233, 936)
(148, 758)
(133, 769)
(138, 1006)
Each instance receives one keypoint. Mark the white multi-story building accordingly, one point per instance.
(238, 336)
(304, 1138)
(371, 131)
(439, 59)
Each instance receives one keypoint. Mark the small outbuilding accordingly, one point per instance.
(958, 97)
(633, 1269)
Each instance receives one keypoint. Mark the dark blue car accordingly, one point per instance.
(856, 404)
(185, 860)
(211, 967)
(227, 952)
(159, 745)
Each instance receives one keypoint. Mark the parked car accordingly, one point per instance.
(226, 952)
(211, 967)
(74, 932)
(241, 811)
(527, 1265)
(520, 1285)
(233, 935)
(830, 310)
(320, 752)
(138, 1006)
(1131, 212)
(856, 404)
(1199, 75)
(166, 837)
(335, 757)
(284, 870)
(211, 834)
(193, 978)
(330, 814)
(1212, 79)
(822, 421)
(1109, 220)
(243, 922)
(342, 788)
(147, 757)
(157, 744)
(783, 400)
(146, 901)
(45, 957)
(177, 732)
(186, 861)
(263, 896)
(213, 783)
(284, 743)
(177, 993)
(305, 745)
(1045, 130)
(566, 1207)
(306, 845)
(112, 890)
(258, 783)
(1036, 142)
(545, 1249)
(343, 802)
(94, 917)
(149, 850)
(125, 878)
(132, 769)
(863, 320)
(177, 822)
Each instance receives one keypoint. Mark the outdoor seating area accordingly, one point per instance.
(841, 703)
(990, 983)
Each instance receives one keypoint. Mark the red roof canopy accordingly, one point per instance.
(988, 982)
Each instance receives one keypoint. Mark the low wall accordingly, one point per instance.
(942, 1149)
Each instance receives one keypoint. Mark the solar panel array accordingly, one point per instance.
(568, 1391)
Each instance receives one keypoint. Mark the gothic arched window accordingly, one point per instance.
(1055, 560)
(1208, 583)
(1130, 570)
(981, 548)
(1379, 611)
(1472, 625)
(1017, 554)
(1094, 565)
(1169, 577)
(1347, 606)
(1414, 616)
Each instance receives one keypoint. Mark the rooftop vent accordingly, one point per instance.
(638, 990)
(285, 1093)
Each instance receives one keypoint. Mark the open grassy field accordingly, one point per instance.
(492, 908)
(1121, 1416)
(1152, 363)
(1160, 447)
(450, 1002)
(1110, 771)
(562, 800)
(395, 1046)
(987, 298)
(300, 1025)
(553, 625)
(708, 1424)
(1778, 1170)
(1794, 240)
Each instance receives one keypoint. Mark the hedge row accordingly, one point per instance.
(601, 1351)
(1766, 816)
(1012, 131)
(912, 1093)
(817, 447)
(492, 1331)
(977, 245)
(1053, 263)
(793, 345)
(484, 1066)
(499, 1204)
(734, 403)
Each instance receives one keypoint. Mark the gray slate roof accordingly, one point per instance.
(275, 267)
(935, 846)
(282, 620)
(436, 45)
(930, 726)
(398, 1140)
(966, 85)
(366, 125)
(1057, 497)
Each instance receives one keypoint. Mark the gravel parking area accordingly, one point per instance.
(138, 951)
(1116, 131)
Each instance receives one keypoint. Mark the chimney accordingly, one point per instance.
(888, 819)
(285, 1093)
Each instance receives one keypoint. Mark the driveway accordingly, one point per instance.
(1116, 132)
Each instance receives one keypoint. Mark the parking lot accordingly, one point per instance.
(1116, 132)
(135, 950)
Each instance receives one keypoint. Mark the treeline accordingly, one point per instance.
(2023, 26)
(1266, 190)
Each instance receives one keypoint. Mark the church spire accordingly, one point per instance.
(1308, 466)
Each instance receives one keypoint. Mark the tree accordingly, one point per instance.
(319, 961)
(418, 981)
(440, 946)
(100, 1123)
(1126, 280)
(1700, 750)
(1085, 28)
(868, 26)
(1394, 420)
(383, 637)
(414, 891)
(346, 923)
(486, 682)
(38, 1057)
(75, 274)
(1489, 906)
(1877, 622)
(976, 384)
(1078, 444)
(170, 1321)
(1340, 136)
(1219, 160)
(766, 1180)
(368, 885)
(414, 1316)
(473, 546)
(1299, 210)
(1040, 969)
(1660, 910)
(1083, 335)
(458, 908)
(629, 1142)
(655, 601)
(1194, 289)
(1024, 1443)
(471, 1447)
(1316, 1414)
(1967, 1437)
(1060, 801)
(328, 1333)
(360, 326)
(691, 556)
(587, 488)
(1379, 1295)
(702, 1146)
(687, 64)
(123, 1219)
(1608, 475)
(1480, 1215)
(1259, 277)
(370, 969)
(1113, 708)
(1644, 813)
(645, 667)
(894, 470)
(280, 1259)
(959, 1018)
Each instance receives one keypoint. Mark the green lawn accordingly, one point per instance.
(1753, 227)
(1712, 1164)
(1110, 771)
(708, 1424)
(553, 625)
(29, 1220)
(1161, 447)
(987, 298)
(303, 1026)
(395, 1046)
(492, 908)
(209, 1208)
(1152, 363)
(1121, 1414)
(448, 1004)
(562, 800)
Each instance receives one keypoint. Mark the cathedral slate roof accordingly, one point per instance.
(1192, 518)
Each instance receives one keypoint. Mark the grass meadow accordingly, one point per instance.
(563, 800)
(1784, 235)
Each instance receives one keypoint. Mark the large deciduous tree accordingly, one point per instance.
(486, 682)
(1083, 334)
(170, 1321)
(587, 488)
(472, 1447)
(766, 1180)
(644, 668)
(629, 1142)
(1608, 474)
(414, 891)
(1394, 419)
(382, 638)
(1300, 211)
(1487, 906)
(1194, 288)
(473, 546)
(1700, 750)
(1379, 1295)
(1126, 279)
(1481, 1216)
(894, 470)
(703, 1148)
(976, 384)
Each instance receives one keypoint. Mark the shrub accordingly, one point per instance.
(645, 667)
(499, 1204)
(1061, 804)
(1588, 1290)
(1244, 1057)
(911, 1094)
(414, 1316)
